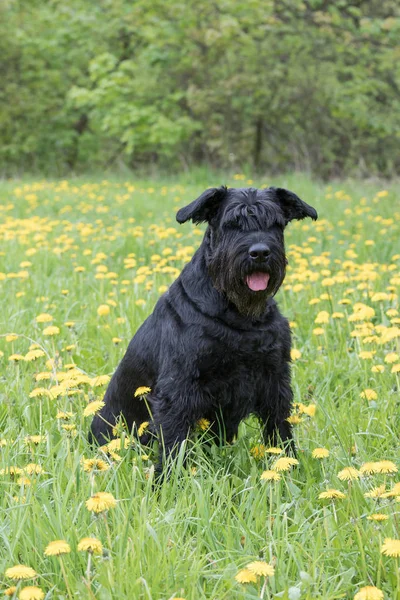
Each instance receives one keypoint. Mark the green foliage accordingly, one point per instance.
(272, 84)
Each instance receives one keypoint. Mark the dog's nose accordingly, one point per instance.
(259, 252)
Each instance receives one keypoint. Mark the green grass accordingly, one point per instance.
(191, 536)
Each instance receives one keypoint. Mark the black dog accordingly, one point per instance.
(216, 345)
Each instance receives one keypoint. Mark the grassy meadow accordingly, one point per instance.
(82, 263)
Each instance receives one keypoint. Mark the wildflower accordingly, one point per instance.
(294, 419)
(64, 415)
(93, 407)
(33, 469)
(378, 517)
(103, 310)
(270, 475)
(320, 453)
(370, 592)
(20, 572)
(99, 381)
(116, 340)
(366, 354)
(322, 318)
(101, 502)
(391, 547)
(261, 568)
(91, 545)
(295, 354)
(258, 451)
(273, 450)
(31, 592)
(34, 439)
(245, 576)
(319, 331)
(10, 591)
(348, 473)
(11, 337)
(369, 394)
(377, 368)
(33, 355)
(142, 428)
(376, 492)
(284, 463)
(142, 391)
(395, 368)
(94, 464)
(382, 466)
(16, 357)
(203, 424)
(331, 494)
(44, 318)
(57, 548)
(51, 330)
(40, 393)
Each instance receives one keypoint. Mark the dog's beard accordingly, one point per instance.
(231, 277)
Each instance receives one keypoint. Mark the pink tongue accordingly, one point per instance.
(257, 281)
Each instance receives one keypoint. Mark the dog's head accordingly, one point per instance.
(244, 242)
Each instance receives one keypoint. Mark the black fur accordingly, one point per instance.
(213, 348)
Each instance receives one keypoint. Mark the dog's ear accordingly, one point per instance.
(291, 205)
(203, 208)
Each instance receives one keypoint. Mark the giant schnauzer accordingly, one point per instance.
(216, 345)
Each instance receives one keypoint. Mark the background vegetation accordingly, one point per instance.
(273, 84)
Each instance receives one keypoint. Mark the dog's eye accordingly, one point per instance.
(250, 212)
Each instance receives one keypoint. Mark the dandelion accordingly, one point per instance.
(284, 464)
(332, 494)
(142, 391)
(378, 517)
(376, 492)
(320, 453)
(294, 419)
(319, 331)
(93, 408)
(273, 450)
(395, 368)
(382, 466)
(245, 576)
(348, 474)
(57, 548)
(20, 572)
(33, 355)
(94, 464)
(391, 547)
(369, 394)
(10, 591)
(103, 310)
(34, 439)
(16, 357)
(51, 330)
(142, 428)
(270, 475)
(203, 424)
(44, 318)
(258, 451)
(99, 381)
(322, 318)
(369, 592)
(31, 593)
(295, 354)
(91, 545)
(261, 568)
(11, 337)
(101, 502)
(40, 393)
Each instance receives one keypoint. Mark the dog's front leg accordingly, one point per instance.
(274, 412)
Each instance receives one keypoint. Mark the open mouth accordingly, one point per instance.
(257, 281)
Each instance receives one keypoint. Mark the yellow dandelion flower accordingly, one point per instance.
(376, 492)
(11, 337)
(294, 419)
(33, 469)
(337, 315)
(391, 547)
(51, 330)
(284, 463)
(116, 340)
(377, 368)
(348, 473)
(99, 381)
(142, 428)
(34, 439)
(307, 410)
(91, 545)
(16, 357)
(319, 331)
(57, 547)
(10, 591)
(394, 492)
(101, 502)
(378, 517)
(395, 368)
(103, 310)
(366, 354)
(258, 451)
(64, 415)
(320, 453)
(31, 592)
(270, 475)
(94, 464)
(385, 466)
(44, 318)
(273, 450)
(20, 572)
(93, 407)
(203, 424)
(33, 355)
(142, 391)
(332, 494)
(245, 576)
(261, 568)
(322, 317)
(369, 592)
(392, 357)
(295, 354)
(369, 394)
